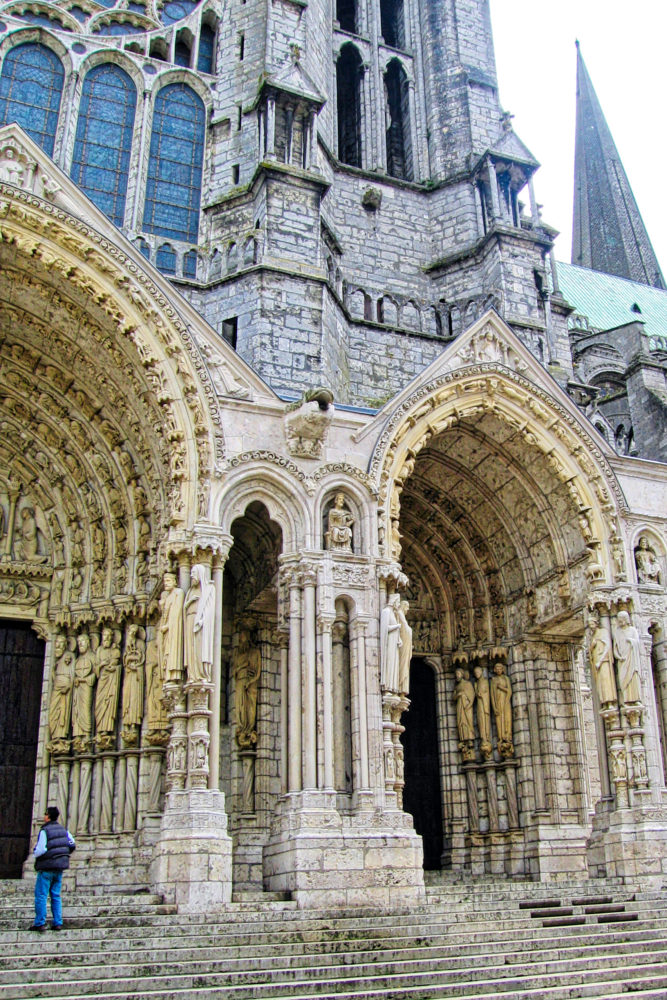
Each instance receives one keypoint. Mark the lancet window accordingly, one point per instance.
(103, 143)
(173, 189)
(349, 72)
(392, 22)
(346, 15)
(206, 56)
(31, 86)
(399, 139)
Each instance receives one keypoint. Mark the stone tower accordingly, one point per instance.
(608, 233)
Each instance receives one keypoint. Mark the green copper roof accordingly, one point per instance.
(607, 301)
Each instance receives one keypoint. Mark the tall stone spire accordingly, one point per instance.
(608, 233)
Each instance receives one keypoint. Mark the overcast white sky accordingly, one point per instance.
(624, 46)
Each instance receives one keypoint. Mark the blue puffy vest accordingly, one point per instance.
(56, 858)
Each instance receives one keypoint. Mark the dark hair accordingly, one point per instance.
(53, 812)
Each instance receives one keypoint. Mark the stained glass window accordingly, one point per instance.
(173, 187)
(31, 84)
(206, 49)
(103, 141)
(165, 259)
(174, 10)
(190, 264)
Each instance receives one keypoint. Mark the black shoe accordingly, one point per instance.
(40, 928)
(56, 927)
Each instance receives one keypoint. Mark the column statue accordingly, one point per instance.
(107, 671)
(198, 626)
(464, 696)
(627, 650)
(501, 700)
(338, 536)
(483, 702)
(602, 663)
(170, 631)
(82, 698)
(155, 711)
(60, 704)
(405, 649)
(390, 642)
(134, 657)
(247, 668)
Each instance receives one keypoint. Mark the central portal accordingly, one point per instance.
(21, 670)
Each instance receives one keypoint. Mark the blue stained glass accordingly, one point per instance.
(173, 186)
(48, 22)
(174, 10)
(119, 28)
(145, 249)
(31, 84)
(79, 13)
(190, 264)
(182, 54)
(206, 49)
(101, 161)
(165, 259)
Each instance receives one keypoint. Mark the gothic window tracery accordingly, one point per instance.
(173, 188)
(103, 143)
(31, 86)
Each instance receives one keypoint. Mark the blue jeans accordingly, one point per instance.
(48, 883)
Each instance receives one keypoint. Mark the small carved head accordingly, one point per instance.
(169, 581)
(59, 645)
(83, 642)
(623, 619)
(498, 668)
(107, 637)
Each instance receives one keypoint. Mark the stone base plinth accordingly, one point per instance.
(556, 852)
(192, 860)
(326, 859)
(626, 843)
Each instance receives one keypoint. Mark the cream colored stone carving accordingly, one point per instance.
(247, 669)
(483, 704)
(464, 697)
(405, 649)
(225, 382)
(28, 539)
(60, 703)
(627, 650)
(307, 423)
(156, 714)
(390, 643)
(338, 536)
(170, 631)
(134, 658)
(82, 699)
(107, 671)
(648, 567)
(501, 700)
(602, 662)
(198, 626)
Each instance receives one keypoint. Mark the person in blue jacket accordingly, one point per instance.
(52, 850)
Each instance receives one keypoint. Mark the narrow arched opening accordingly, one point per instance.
(349, 72)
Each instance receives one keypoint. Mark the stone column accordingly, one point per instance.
(358, 636)
(219, 560)
(283, 639)
(493, 187)
(325, 628)
(309, 707)
(271, 128)
(294, 685)
(660, 662)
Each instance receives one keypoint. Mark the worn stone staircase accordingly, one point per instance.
(475, 938)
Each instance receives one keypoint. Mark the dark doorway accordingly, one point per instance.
(21, 670)
(421, 796)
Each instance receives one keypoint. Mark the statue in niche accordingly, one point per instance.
(198, 627)
(648, 567)
(627, 650)
(155, 710)
(390, 643)
(501, 700)
(602, 663)
(483, 702)
(60, 704)
(84, 682)
(405, 649)
(170, 631)
(464, 697)
(247, 668)
(27, 542)
(338, 537)
(107, 671)
(134, 658)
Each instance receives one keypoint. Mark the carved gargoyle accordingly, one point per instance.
(307, 422)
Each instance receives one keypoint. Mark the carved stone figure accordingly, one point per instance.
(602, 663)
(155, 711)
(198, 627)
(84, 682)
(390, 643)
(27, 545)
(483, 703)
(464, 696)
(627, 650)
(170, 631)
(247, 668)
(60, 704)
(405, 649)
(648, 567)
(134, 658)
(338, 537)
(501, 700)
(107, 670)
(307, 423)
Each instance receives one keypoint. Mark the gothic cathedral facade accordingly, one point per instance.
(317, 567)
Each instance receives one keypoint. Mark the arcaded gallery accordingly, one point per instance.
(332, 526)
